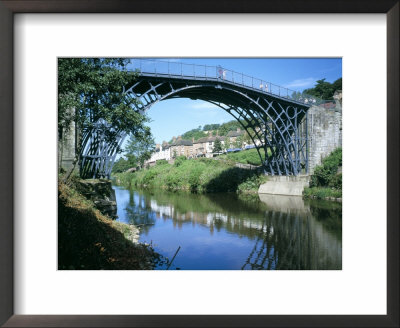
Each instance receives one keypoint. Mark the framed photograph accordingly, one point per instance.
(306, 267)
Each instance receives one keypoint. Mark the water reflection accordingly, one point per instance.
(222, 231)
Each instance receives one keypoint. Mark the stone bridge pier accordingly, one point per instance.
(324, 133)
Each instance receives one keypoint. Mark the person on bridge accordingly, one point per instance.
(224, 74)
(220, 72)
(261, 86)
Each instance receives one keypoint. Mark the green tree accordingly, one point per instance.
(247, 138)
(227, 143)
(90, 89)
(121, 165)
(209, 127)
(217, 146)
(228, 126)
(194, 133)
(139, 150)
(324, 90)
(239, 142)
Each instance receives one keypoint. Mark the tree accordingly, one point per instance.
(239, 142)
(90, 89)
(139, 150)
(247, 138)
(227, 143)
(209, 127)
(324, 90)
(217, 146)
(194, 133)
(121, 165)
(228, 126)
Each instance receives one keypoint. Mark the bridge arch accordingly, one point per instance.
(276, 122)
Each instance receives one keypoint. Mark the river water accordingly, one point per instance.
(224, 232)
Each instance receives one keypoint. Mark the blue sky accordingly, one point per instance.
(174, 117)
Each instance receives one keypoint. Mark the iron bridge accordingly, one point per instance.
(274, 117)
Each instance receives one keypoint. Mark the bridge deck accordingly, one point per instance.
(216, 74)
(214, 81)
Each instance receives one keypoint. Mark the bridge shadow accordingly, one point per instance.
(229, 180)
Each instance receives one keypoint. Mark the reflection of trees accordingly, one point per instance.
(295, 243)
(138, 213)
(308, 238)
(329, 214)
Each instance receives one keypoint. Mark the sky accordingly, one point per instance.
(176, 116)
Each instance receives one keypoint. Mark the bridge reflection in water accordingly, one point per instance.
(221, 231)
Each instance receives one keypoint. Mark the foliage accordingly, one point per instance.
(228, 126)
(252, 183)
(121, 165)
(217, 146)
(249, 156)
(138, 150)
(321, 193)
(179, 160)
(194, 133)
(202, 175)
(336, 181)
(324, 175)
(323, 89)
(90, 89)
(89, 240)
(239, 142)
(227, 143)
(95, 88)
(210, 127)
(326, 182)
(161, 162)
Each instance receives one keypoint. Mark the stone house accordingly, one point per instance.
(205, 146)
(233, 137)
(160, 152)
(180, 147)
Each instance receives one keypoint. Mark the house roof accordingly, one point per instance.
(182, 142)
(208, 139)
(235, 133)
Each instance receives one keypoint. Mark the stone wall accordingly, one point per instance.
(67, 145)
(324, 133)
(102, 194)
(285, 185)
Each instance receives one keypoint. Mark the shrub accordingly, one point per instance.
(323, 174)
(161, 162)
(149, 175)
(179, 160)
(321, 193)
(336, 181)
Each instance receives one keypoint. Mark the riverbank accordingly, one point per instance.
(201, 175)
(89, 240)
(326, 181)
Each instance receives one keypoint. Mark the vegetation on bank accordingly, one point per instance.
(203, 175)
(244, 157)
(326, 182)
(89, 240)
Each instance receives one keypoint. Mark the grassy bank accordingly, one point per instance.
(89, 240)
(326, 182)
(244, 157)
(195, 175)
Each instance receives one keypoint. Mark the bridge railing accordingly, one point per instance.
(219, 73)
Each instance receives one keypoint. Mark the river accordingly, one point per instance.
(224, 232)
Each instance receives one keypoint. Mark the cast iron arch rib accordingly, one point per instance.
(274, 120)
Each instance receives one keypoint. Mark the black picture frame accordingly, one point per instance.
(7, 10)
